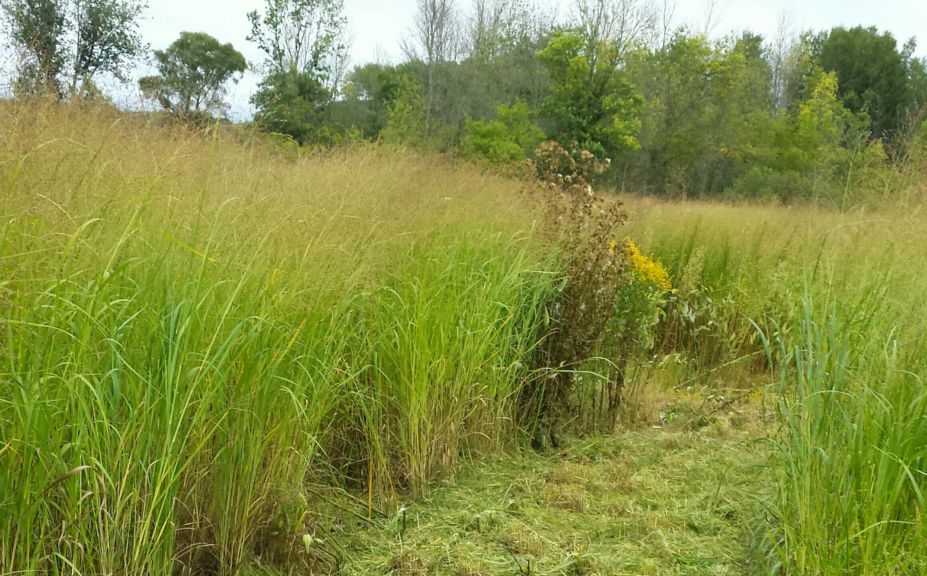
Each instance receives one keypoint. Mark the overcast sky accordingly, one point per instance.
(376, 26)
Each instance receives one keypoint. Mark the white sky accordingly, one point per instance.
(377, 25)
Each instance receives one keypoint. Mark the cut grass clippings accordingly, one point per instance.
(653, 501)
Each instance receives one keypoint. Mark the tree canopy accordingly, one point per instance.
(192, 74)
(64, 44)
(305, 45)
(875, 76)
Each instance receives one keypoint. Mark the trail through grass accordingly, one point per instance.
(657, 501)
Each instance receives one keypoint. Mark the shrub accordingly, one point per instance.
(507, 140)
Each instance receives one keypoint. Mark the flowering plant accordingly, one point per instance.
(640, 303)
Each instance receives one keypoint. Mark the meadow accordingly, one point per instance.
(212, 345)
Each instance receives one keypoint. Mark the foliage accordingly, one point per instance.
(506, 141)
(295, 105)
(627, 344)
(36, 30)
(370, 92)
(302, 37)
(704, 104)
(304, 43)
(592, 105)
(203, 341)
(852, 418)
(108, 38)
(193, 72)
(406, 119)
(497, 28)
(67, 43)
(680, 114)
(875, 76)
(640, 304)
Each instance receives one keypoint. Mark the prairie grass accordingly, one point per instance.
(196, 327)
(833, 307)
(204, 335)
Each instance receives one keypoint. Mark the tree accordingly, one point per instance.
(294, 104)
(306, 49)
(590, 101)
(36, 33)
(107, 38)
(193, 72)
(622, 23)
(874, 75)
(405, 123)
(435, 41)
(434, 34)
(707, 108)
(496, 27)
(508, 140)
(782, 53)
(69, 42)
(370, 92)
(302, 37)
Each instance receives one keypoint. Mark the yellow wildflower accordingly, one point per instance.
(648, 270)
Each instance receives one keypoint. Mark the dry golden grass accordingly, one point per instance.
(351, 210)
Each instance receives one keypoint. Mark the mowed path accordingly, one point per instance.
(652, 501)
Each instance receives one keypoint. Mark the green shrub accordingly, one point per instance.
(508, 140)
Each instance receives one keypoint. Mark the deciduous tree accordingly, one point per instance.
(590, 101)
(874, 75)
(67, 43)
(306, 49)
(193, 72)
(106, 38)
(303, 37)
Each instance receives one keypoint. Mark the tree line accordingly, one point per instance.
(817, 114)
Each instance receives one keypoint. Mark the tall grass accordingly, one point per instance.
(198, 329)
(854, 404)
(834, 306)
(195, 329)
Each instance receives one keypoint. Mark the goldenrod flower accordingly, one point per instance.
(647, 269)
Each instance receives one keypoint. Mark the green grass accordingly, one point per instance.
(852, 489)
(208, 342)
(673, 501)
(833, 306)
(194, 329)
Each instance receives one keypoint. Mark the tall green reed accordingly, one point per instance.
(853, 477)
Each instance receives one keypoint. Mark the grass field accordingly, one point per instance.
(194, 328)
(835, 302)
(212, 347)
